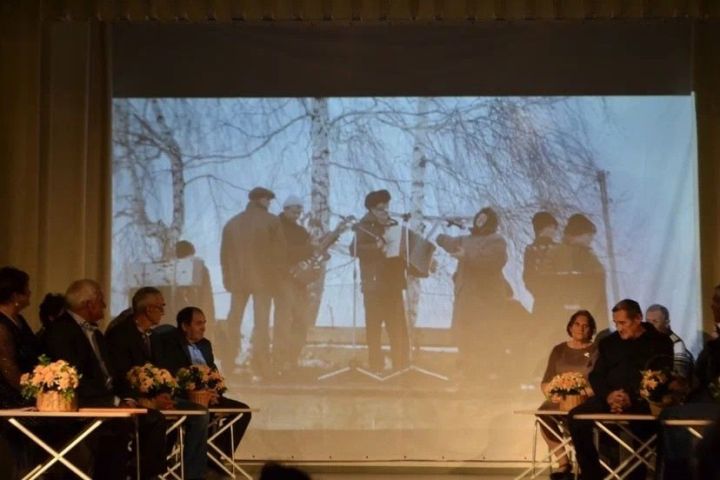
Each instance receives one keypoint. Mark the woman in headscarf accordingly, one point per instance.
(481, 289)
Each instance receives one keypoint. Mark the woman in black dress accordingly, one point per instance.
(19, 348)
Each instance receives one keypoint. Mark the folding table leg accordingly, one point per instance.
(57, 456)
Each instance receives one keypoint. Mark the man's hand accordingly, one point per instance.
(164, 402)
(128, 403)
(618, 400)
(458, 253)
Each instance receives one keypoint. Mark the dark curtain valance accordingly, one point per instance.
(510, 58)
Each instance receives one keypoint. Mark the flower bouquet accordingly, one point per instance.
(52, 384)
(655, 389)
(154, 386)
(568, 390)
(202, 383)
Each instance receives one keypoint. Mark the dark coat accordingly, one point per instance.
(25, 347)
(252, 253)
(299, 247)
(65, 339)
(620, 361)
(707, 370)
(171, 351)
(127, 350)
(540, 275)
(581, 281)
(377, 272)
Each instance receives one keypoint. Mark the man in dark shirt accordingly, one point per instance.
(675, 448)
(130, 345)
(383, 282)
(76, 338)
(615, 379)
(185, 346)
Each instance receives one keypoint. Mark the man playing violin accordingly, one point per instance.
(383, 282)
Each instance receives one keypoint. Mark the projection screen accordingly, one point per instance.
(183, 169)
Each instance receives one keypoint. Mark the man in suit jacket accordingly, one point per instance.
(76, 338)
(130, 345)
(187, 346)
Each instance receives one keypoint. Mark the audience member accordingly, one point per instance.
(186, 346)
(575, 355)
(130, 345)
(19, 348)
(659, 316)
(615, 379)
(75, 337)
(19, 351)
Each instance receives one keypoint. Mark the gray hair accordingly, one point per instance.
(81, 291)
(142, 297)
(656, 306)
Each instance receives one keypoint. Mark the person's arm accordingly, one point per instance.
(8, 367)
(120, 360)
(550, 370)
(599, 372)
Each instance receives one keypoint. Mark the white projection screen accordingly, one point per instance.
(183, 167)
(597, 121)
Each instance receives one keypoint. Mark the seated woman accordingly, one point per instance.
(19, 348)
(19, 351)
(575, 355)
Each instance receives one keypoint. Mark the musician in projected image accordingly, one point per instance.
(291, 306)
(382, 273)
(580, 274)
(252, 255)
(481, 289)
(539, 271)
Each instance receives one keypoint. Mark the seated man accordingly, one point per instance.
(130, 345)
(615, 379)
(187, 346)
(75, 337)
(659, 316)
(676, 443)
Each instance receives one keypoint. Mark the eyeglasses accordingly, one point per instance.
(159, 308)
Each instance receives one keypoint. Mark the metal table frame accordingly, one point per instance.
(224, 419)
(96, 416)
(176, 465)
(644, 454)
(548, 418)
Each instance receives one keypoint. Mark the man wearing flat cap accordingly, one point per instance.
(252, 256)
(383, 282)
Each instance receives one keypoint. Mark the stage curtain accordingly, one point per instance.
(707, 91)
(55, 117)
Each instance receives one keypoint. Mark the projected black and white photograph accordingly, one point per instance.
(385, 246)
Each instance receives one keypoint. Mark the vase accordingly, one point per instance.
(53, 401)
(570, 401)
(201, 397)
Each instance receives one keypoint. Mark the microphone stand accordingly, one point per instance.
(352, 370)
(413, 347)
